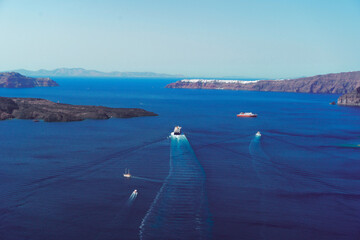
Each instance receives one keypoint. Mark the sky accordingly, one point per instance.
(199, 38)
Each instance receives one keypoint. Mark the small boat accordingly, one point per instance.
(36, 120)
(127, 173)
(246, 114)
(135, 192)
(258, 134)
(177, 130)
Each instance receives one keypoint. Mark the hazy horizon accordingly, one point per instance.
(162, 73)
(257, 39)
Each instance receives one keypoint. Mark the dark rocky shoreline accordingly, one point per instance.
(350, 99)
(42, 109)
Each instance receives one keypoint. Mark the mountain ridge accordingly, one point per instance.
(81, 72)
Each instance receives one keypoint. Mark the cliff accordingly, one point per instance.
(16, 80)
(339, 83)
(350, 99)
(41, 109)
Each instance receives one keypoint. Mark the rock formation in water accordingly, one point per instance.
(351, 98)
(338, 83)
(41, 109)
(16, 80)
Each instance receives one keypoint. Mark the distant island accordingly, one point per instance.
(80, 72)
(16, 80)
(338, 83)
(41, 109)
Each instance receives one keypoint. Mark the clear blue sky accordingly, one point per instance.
(257, 38)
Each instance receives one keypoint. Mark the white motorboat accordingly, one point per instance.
(177, 131)
(127, 173)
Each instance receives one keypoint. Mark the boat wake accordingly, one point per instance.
(271, 180)
(258, 156)
(267, 171)
(147, 179)
(132, 198)
(179, 210)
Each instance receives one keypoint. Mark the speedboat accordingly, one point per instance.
(135, 192)
(258, 134)
(177, 131)
(127, 173)
(246, 114)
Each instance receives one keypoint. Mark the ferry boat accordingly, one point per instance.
(177, 130)
(246, 114)
(127, 173)
(258, 134)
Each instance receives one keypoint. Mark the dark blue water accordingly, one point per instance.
(299, 180)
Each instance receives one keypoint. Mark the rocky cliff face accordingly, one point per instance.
(41, 109)
(329, 83)
(16, 80)
(350, 99)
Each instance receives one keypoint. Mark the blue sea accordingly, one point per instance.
(299, 180)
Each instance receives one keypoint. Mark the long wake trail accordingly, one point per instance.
(271, 179)
(147, 179)
(258, 157)
(179, 210)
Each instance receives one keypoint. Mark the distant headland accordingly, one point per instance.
(347, 83)
(338, 83)
(80, 72)
(41, 109)
(16, 80)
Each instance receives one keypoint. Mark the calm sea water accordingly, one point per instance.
(300, 180)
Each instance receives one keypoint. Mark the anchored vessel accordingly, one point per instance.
(246, 114)
(177, 130)
(127, 173)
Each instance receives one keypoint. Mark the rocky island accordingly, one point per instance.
(16, 80)
(351, 98)
(338, 83)
(41, 109)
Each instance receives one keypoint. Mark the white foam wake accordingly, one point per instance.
(179, 210)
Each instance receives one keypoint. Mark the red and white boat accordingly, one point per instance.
(246, 114)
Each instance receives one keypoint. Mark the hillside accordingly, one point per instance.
(338, 83)
(16, 80)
